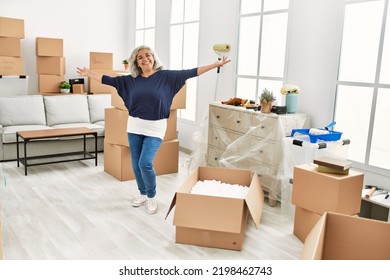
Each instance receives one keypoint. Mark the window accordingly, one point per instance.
(184, 34)
(145, 22)
(363, 87)
(262, 47)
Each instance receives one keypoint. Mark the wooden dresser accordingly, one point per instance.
(246, 139)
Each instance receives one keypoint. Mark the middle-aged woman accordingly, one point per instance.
(148, 93)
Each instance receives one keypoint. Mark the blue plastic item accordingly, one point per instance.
(330, 136)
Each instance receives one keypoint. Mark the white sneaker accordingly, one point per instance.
(152, 205)
(139, 201)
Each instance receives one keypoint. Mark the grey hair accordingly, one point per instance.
(135, 70)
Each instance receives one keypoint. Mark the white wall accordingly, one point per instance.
(219, 25)
(88, 25)
(313, 52)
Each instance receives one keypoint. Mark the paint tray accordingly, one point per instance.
(330, 136)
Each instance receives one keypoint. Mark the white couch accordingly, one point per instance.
(34, 112)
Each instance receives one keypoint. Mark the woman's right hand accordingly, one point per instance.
(82, 71)
(89, 73)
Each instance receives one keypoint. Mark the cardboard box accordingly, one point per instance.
(11, 66)
(51, 65)
(49, 47)
(78, 88)
(212, 221)
(100, 61)
(117, 101)
(49, 83)
(304, 221)
(171, 132)
(342, 237)
(179, 101)
(78, 81)
(11, 27)
(98, 87)
(117, 160)
(9, 46)
(116, 126)
(320, 192)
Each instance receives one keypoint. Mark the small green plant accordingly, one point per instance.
(267, 96)
(64, 85)
(125, 61)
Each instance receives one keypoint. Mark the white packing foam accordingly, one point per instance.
(217, 188)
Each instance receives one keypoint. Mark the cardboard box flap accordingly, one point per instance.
(208, 212)
(173, 202)
(342, 237)
(355, 238)
(254, 200)
(314, 242)
(185, 187)
(229, 176)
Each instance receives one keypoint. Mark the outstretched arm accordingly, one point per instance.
(219, 63)
(89, 73)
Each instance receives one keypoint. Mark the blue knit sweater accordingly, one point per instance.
(150, 98)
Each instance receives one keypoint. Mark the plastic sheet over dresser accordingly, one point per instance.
(244, 139)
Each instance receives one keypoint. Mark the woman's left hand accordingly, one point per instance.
(223, 61)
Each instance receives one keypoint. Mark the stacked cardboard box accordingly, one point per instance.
(315, 193)
(117, 160)
(102, 63)
(11, 33)
(50, 64)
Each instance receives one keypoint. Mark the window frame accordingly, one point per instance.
(145, 29)
(183, 24)
(258, 77)
(375, 86)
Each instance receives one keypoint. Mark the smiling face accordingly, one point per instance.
(145, 60)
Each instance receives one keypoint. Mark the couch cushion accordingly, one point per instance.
(9, 132)
(99, 129)
(22, 110)
(66, 109)
(97, 103)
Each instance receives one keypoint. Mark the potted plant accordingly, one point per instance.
(291, 92)
(125, 62)
(266, 99)
(64, 87)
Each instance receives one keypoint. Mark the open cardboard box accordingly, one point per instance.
(342, 237)
(212, 221)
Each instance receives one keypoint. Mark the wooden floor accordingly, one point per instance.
(76, 211)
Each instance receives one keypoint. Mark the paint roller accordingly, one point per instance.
(221, 48)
